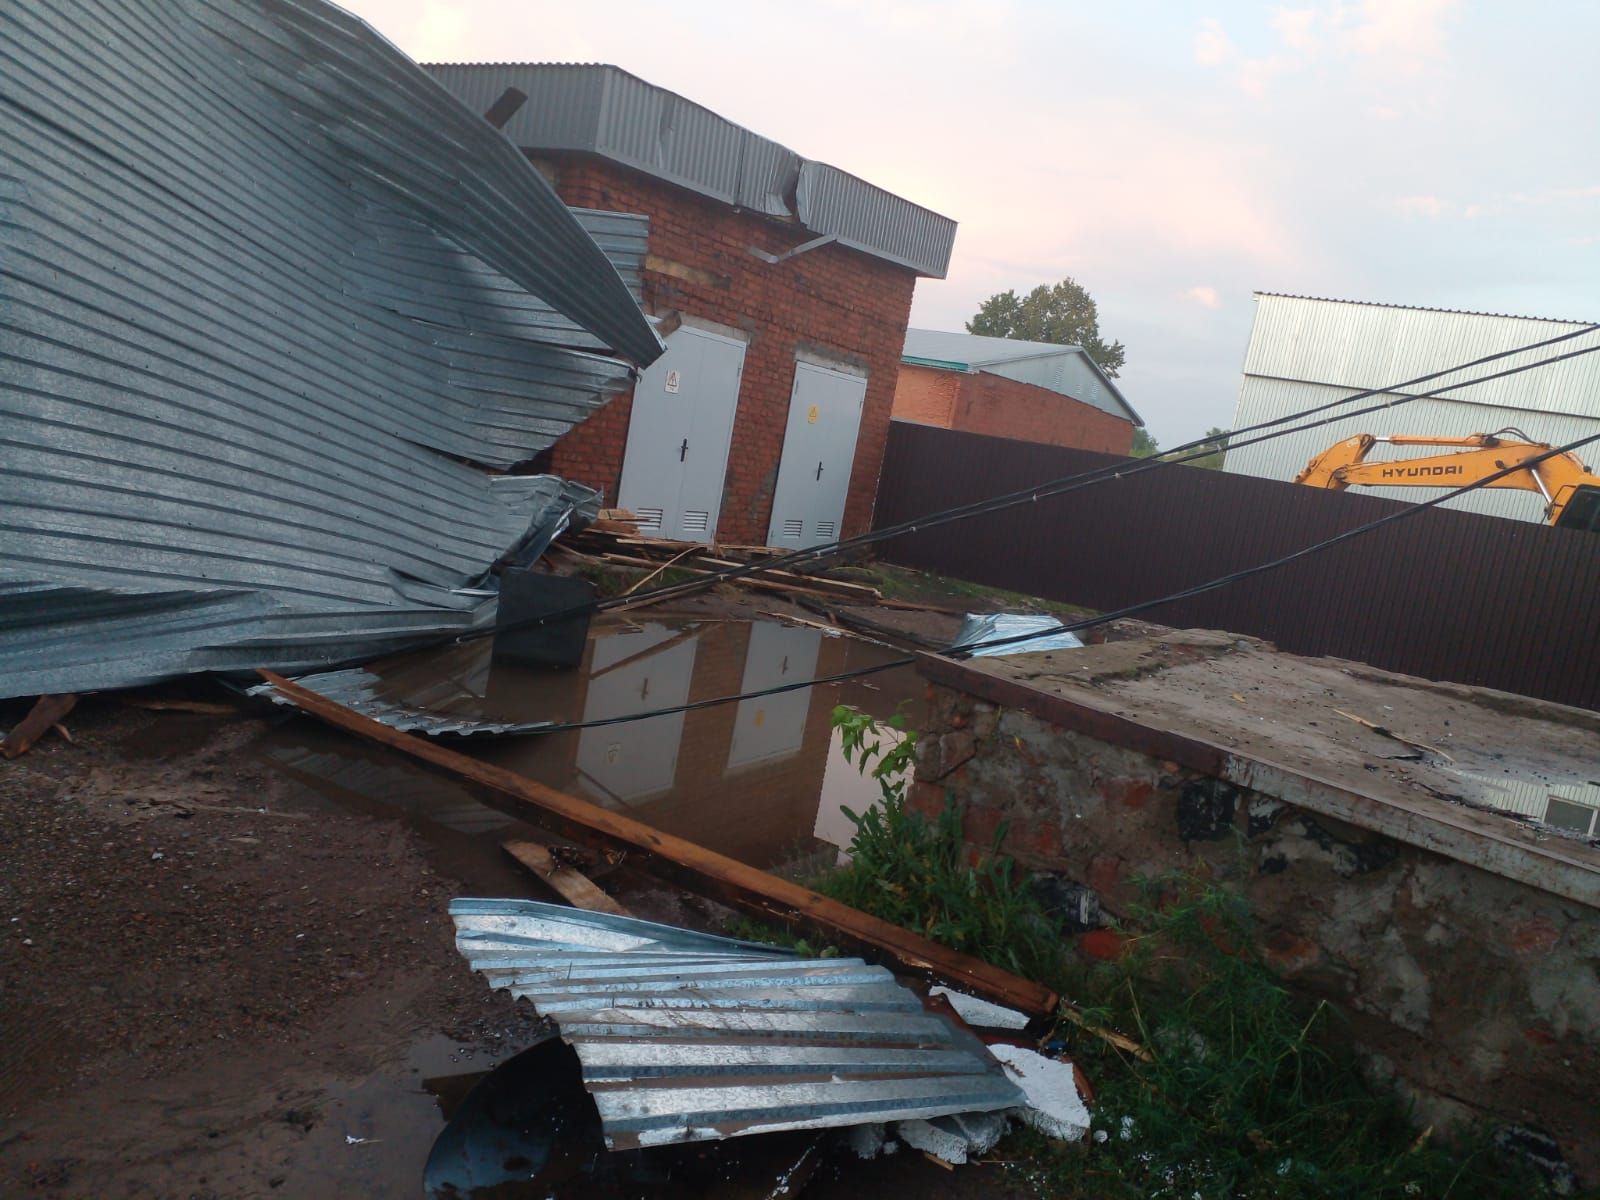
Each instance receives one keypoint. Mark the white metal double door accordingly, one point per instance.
(819, 450)
(676, 461)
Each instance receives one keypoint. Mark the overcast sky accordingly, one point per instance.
(1172, 157)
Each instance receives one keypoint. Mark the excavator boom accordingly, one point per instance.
(1570, 491)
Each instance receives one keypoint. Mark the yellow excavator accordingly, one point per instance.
(1570, 490)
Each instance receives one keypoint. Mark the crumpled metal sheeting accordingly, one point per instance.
(234, 433)
(686, 1036)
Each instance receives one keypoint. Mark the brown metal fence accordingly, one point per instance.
(1444, 595)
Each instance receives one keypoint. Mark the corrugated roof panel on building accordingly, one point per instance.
(686, 1036)
(599, 109)
(266, 291)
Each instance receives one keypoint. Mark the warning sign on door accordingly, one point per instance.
(672, 381)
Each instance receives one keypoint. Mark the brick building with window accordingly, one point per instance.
(1003, 387)
(782, 287)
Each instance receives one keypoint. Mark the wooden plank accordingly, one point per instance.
(716, 875)
(568, 882)
(46, 711)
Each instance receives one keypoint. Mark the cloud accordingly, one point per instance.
(1294, 26)
(1421, 206)
(1405, 33)
(1211, 46)
(1205, 297)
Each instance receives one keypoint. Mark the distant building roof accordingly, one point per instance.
(1065, 369)
(1427, 308)
(599, 109)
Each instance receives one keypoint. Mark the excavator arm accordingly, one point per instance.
(1570, 492)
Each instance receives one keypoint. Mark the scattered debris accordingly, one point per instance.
(979, 630)
(981, 1013)
(1389, 733)
(689, 1037)
(570, 883)
(47, 713)
(1054, 1105)
(956, 1138)
(715, 875)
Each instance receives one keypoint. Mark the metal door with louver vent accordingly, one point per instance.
(676, 459)
(819, 449)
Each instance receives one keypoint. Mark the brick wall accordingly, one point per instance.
(1001, 407)
(927, 395)
(1476, 995)
(833, 301)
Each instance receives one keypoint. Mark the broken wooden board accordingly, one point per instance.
(692, 866)
(576, 888)
(46, 712)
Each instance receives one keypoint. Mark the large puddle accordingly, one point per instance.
(762, 780)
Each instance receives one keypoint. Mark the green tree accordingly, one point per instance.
(1065, 315)
(1217, 444)
(1144, 445)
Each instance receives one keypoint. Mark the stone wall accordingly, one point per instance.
(1477, 995)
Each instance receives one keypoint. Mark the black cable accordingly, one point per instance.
(1201, 448)
(1100, 618)
(1071, 483)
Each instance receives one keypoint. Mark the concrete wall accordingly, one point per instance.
(1001, 407)
(1477, 995)
(833, 301)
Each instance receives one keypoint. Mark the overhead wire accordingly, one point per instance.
(1099, 618)
(1189, 451)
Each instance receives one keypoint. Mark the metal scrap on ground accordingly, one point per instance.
(685, 1036)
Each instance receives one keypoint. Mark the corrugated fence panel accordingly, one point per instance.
(1443, 594)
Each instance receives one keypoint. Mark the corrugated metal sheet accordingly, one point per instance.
(1443, 595)
(598, 109)
(1065, 369)
(1285, 457)
(686, 1037)
(263, 286)
(1358, 346)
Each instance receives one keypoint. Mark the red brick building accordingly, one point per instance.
(1029, 391)
(782, 287)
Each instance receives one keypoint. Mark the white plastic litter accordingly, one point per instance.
(1054, 1106)
(981, 628)
(955, 1139)
(981, 1013)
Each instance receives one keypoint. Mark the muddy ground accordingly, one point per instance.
(213, 978)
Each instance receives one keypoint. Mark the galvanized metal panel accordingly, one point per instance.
(602, 110)
(263, 287)
(1065, 369)
(1442, 595)
(686, 1036)
(1357, 346)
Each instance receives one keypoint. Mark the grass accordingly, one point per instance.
(1251, 1091)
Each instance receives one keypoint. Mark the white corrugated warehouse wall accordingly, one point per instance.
(1306, 352)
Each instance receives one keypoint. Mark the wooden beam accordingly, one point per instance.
(695, 867)
(46, 712)
(569, 883)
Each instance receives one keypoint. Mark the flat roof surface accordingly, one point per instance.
(1464, 771)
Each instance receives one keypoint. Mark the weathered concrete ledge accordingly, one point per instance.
(1464, 943)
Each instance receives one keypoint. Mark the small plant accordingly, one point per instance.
(919, 874)
(1249, 1091)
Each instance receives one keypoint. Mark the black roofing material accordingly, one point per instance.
(270, 301)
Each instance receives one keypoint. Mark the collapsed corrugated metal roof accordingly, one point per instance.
(686, 1037)
(270, 299)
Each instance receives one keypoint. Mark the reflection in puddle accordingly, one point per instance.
(1570, 805)
(763, 780)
